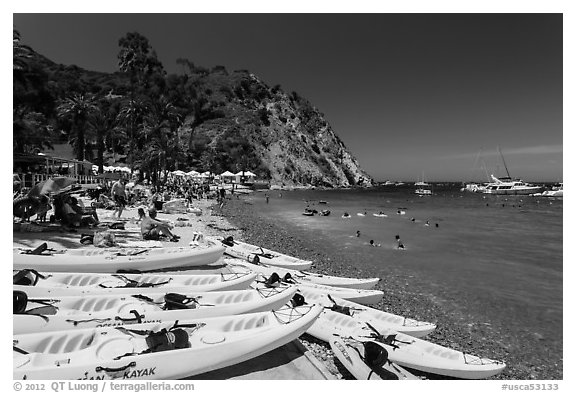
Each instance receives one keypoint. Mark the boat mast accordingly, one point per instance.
(505, 167)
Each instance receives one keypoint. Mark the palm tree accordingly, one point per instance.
(20, 53)
(160, 129)
(77, 110)
(102, 122)
(131, 116)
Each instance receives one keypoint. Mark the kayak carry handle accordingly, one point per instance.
(113, 370)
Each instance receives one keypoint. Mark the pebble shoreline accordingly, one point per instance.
(454, 330)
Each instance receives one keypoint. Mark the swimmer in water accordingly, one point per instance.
(357, 233)
(374, 244)
(427, 223)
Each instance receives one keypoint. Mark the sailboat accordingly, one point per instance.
(508, 186)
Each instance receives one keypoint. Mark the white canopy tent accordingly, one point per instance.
(247, 175)
(228, 176)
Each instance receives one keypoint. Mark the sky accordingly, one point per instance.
(412, 96)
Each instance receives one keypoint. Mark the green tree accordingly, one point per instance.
(131, 117)
(103, 122)
(21, 54)
(76, 110)
(139, 61)
(160, 126)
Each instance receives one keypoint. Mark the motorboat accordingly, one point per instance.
(509, 186)
(423, 188)
(555, 192)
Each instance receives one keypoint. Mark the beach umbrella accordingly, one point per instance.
(192, 173)
(51, 185)
(179, 173)
(227, 173)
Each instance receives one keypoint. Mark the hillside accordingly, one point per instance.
(228, 121)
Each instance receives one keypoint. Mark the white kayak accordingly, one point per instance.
(307, 277)
(34, 314)
(367, 360)
(410, 351)
(250, 253)
(379, 215)
(109, 260)
(343, 315)
(67, 284)
(169, 350)
(312, 292)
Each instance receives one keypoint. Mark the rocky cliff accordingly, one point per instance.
(228, 121)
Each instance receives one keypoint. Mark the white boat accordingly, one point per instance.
(423, 188)
(555, 192)
(366, 360)
(314, 292)
(67, 284)
(56, 313)
(110, 260)
(473, 187)
(407, 351)
(168, 350)
(432, 358)
(344, 316)
(249, 252)
(304, 277)
(508, 186)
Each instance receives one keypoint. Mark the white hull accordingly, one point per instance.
(67, 284)
(408, 351)
(519, 191)
(508, 186)
(102, 353)
(333, 322)
(72, 312)
(314, 292)
(352, 356)
(248, 252)
(97, 260)
(308, 277)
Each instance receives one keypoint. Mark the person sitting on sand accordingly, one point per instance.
(141, 215)
(152, 229)
(74, 216)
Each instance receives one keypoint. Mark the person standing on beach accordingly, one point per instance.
(267, 197)
(119, 196)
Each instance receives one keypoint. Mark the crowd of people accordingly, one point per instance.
(77, 207)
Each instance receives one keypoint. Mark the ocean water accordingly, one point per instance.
(496, 258)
